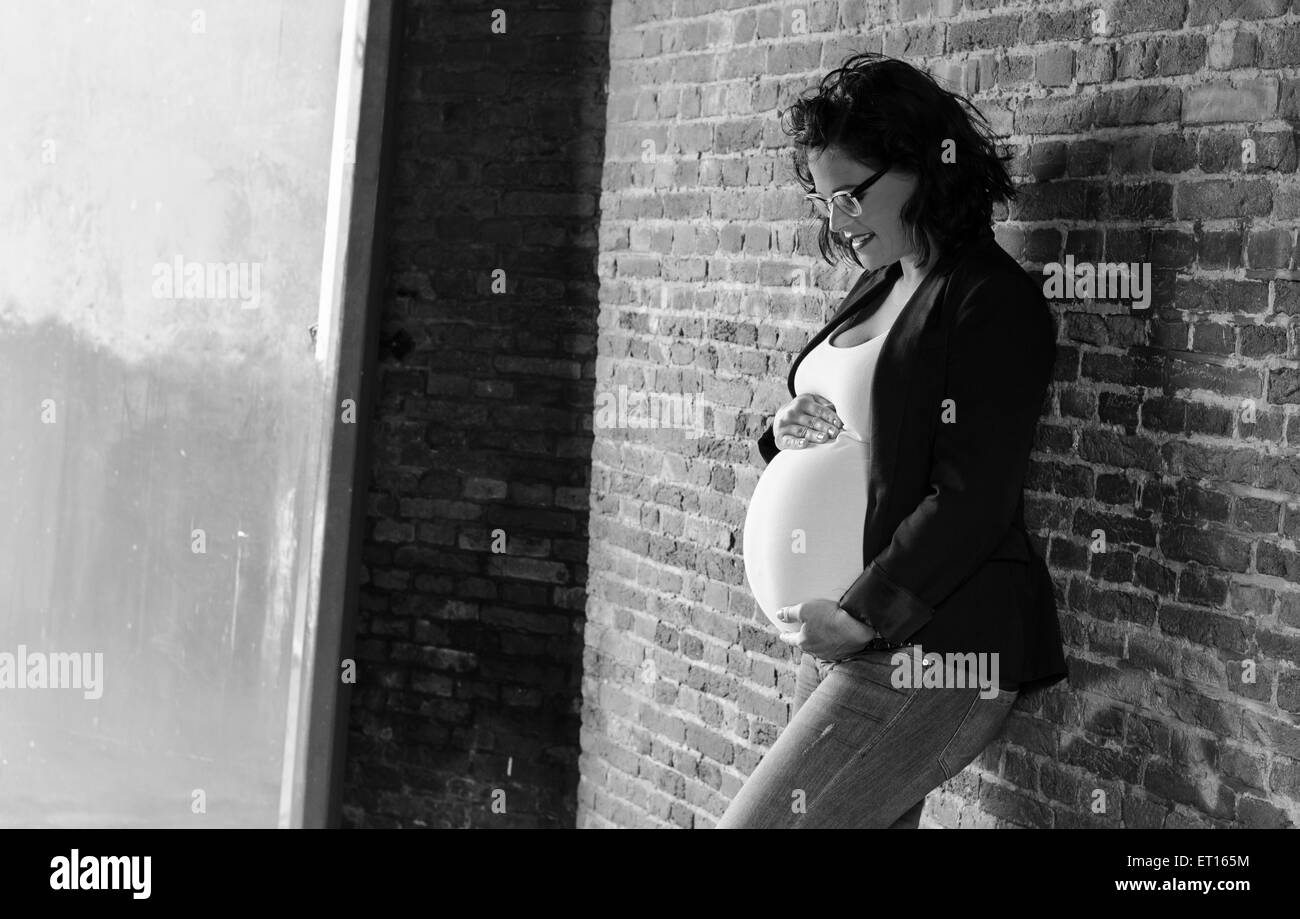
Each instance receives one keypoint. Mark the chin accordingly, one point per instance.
(875, 259)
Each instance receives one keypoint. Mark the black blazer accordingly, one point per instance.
(948, 563)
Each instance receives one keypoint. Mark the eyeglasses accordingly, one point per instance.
(846, 201)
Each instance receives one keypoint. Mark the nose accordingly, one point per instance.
(840, 221)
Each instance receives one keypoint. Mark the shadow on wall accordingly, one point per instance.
(1181, 709)
(469, 640)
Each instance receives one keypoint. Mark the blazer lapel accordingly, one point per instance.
(905, 347)
(915, 344)
(853, 300)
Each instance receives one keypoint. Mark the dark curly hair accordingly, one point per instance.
(883, 109)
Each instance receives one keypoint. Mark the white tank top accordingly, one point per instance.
(843, 375)
(803, 528)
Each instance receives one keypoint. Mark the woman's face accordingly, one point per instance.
(880, 237)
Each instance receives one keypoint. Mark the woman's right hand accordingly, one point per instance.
(805, 420)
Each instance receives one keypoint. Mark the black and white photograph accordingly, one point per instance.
(650, 414)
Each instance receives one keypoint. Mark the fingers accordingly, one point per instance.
(790, 613)
(822, 428)
(827, 416)
(819, 414)
(806, 427)
(809, 419)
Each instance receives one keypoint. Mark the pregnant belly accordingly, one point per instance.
(803, 529)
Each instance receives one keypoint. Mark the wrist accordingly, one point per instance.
(876, 641)
(858, 619)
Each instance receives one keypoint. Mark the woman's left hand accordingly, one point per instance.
(827, 631)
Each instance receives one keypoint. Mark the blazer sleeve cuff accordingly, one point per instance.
(767, 445)
(889, 608)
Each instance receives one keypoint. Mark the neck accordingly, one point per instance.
(912, 275)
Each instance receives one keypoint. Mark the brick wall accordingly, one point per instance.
(1172, 431)
(469, 650)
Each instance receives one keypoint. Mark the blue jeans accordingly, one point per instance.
(860, 753)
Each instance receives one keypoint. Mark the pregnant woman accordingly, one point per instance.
(886, 537)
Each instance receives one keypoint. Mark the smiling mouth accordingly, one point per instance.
(861, 240)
